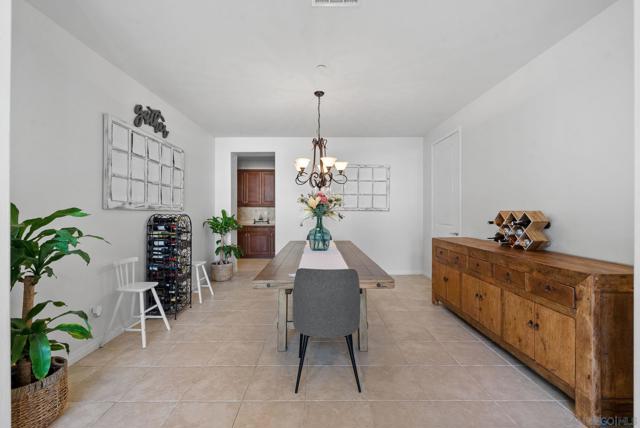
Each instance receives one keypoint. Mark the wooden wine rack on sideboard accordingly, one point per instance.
(568, 318)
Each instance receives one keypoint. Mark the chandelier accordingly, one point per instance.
(324, 169)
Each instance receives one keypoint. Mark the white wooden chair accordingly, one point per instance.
(201, 266)
(125, 274)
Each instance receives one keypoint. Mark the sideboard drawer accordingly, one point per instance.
(457, 260)
(552, 290)
(481, 267)
(442, 255)
(508, 276)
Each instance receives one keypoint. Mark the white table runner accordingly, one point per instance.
(330, 259)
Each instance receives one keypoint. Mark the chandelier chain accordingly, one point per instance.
(318, 118)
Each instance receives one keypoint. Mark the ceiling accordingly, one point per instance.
(248, 68)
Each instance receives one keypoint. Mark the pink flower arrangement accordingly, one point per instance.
(321, 205)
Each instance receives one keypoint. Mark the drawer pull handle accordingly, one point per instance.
(536, 326)
(445, 279)
(379, 285)
(548, 288)
(530, 324)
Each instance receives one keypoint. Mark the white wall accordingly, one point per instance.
(393, 239)
(60, 90)
(256, 162)
(5, 88)
(557, 136)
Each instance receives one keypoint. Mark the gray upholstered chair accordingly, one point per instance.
(326, 303)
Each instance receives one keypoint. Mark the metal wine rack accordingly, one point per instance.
(522, 229)
(169, 260)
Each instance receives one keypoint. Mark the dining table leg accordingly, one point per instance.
(363, 330)
(283, 309)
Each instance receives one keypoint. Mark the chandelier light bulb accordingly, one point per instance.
(328, 161)
(341, 166)
(302, 163)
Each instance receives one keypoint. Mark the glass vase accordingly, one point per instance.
(319, 237)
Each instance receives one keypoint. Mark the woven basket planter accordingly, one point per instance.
(38, 404)
(221, 273)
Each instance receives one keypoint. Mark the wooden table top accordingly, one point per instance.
(277, 274)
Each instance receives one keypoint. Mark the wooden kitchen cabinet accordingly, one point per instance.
(269, 188)
(257, 241)
(256, 188)
(568, 318)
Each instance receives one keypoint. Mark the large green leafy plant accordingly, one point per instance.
(222, 226)
(34, 249)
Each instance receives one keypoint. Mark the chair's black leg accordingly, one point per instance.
(300, 347)
(353, 359)
(304, 342)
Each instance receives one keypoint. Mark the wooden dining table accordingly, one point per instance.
(280, 274)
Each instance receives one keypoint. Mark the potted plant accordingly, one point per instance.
(222, 269)
(39, 381)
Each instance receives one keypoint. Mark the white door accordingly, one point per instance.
(445, 185)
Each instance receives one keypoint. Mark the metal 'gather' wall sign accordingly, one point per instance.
(151, 117)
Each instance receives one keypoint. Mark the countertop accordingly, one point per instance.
(258, 224)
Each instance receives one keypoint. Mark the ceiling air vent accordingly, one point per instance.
(334, 3)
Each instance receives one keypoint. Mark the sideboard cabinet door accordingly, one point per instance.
(469, 293)
(490, 308)
(438, 284)
(555, 341)
(518, 323)
(452, 284)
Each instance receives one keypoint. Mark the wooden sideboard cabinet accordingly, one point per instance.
(568, 318)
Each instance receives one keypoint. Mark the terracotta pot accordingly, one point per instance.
(221, 273)
(38, 404)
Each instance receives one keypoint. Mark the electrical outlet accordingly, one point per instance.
(96, 311)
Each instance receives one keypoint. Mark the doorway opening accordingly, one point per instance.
(256, 203)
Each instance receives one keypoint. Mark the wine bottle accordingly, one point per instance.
(498, 237)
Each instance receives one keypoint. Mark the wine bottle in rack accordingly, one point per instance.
(498, 237)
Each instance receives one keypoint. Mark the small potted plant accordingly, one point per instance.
(39, 381)
(222, 269)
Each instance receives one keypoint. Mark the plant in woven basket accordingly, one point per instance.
(222, 226)
(30, 341)
(34, 249)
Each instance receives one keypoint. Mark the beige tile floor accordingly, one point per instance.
(219, 368)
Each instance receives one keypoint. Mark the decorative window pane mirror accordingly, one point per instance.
(141, 171)
(367, 188)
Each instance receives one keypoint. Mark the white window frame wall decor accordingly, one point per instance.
(141, 171)
(365, 188)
